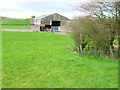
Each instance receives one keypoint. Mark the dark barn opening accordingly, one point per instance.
(55, 27)
(48, 26)
(45, 28)
(56, 23)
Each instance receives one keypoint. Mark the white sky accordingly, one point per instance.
(27, 8)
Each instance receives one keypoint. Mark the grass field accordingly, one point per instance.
(43, 60)
(15, 27)
(0, 60)
(15, 23)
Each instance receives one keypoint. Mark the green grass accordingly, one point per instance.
(0, 59)
(15, 23)
(43, 60)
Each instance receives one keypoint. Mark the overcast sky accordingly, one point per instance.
(27, 8)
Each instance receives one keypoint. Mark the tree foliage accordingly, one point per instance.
(97, 31)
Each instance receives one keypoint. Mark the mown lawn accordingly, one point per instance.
(43, 60)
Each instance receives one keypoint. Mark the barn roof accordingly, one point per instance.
(54, 16)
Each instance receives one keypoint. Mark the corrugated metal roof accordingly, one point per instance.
(42, 16)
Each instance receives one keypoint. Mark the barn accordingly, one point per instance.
(54, 23)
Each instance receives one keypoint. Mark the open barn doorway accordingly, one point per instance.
(45, 28)
(55, 26)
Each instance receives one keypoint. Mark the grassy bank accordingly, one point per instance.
(43, 60)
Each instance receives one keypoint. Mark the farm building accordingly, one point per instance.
(54, 23)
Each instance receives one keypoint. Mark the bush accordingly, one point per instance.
(94, 36)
